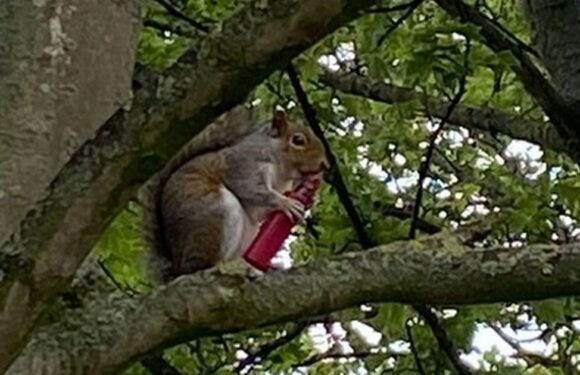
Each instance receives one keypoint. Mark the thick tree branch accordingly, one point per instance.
(561, 114)
(435, 270)
(167, 110)
(486, 119)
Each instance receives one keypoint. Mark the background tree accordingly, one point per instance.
(424, 107)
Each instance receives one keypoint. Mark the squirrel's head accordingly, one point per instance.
(303, 149)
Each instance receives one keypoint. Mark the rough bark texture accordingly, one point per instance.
(486, 119)
(50, 103)
(167, 110)
(557, 27)
(435, 270)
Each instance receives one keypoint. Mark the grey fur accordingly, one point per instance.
(227, 130)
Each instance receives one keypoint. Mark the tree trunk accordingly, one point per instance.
(556, 30)
(65, 67)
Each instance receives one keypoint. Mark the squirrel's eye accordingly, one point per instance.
(298, 139)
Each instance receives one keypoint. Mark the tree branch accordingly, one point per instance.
(411, 339)
(426, 162)
(410, 9)
(530, 358)
(166, 111)
(443, 339)
(336, 179)
(435, 270)
(486, 119)
(563, 116)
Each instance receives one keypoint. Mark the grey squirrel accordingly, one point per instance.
(207, 204)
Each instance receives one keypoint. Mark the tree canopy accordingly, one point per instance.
(450, 208)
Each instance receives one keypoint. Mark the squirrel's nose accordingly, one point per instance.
(324, 165)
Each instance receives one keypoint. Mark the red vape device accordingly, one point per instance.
(277, 227)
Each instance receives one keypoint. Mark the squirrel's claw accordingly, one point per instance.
(294, 209)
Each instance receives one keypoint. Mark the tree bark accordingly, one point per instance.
(556, 29)
(435, 270)
(56, 57)
(167, 110)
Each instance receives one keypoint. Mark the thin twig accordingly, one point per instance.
(126, 290)
(336, 178)
(530, 358)
(456, 170)
(196, 349)
(271, 347)
(394, 8)
(410, 9)
(180, 15)
(424, 167)
(443, 339)
(414, 350)
(494, 19)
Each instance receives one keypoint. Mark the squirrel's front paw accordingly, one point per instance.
(293, 209)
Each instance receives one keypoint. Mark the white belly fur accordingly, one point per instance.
(239, 230)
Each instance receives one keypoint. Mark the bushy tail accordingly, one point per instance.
(226, 130)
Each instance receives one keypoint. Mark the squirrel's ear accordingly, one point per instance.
(279, 123)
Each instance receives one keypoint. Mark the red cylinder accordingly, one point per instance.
(277, 227)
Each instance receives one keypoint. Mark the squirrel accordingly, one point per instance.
(207, 204)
